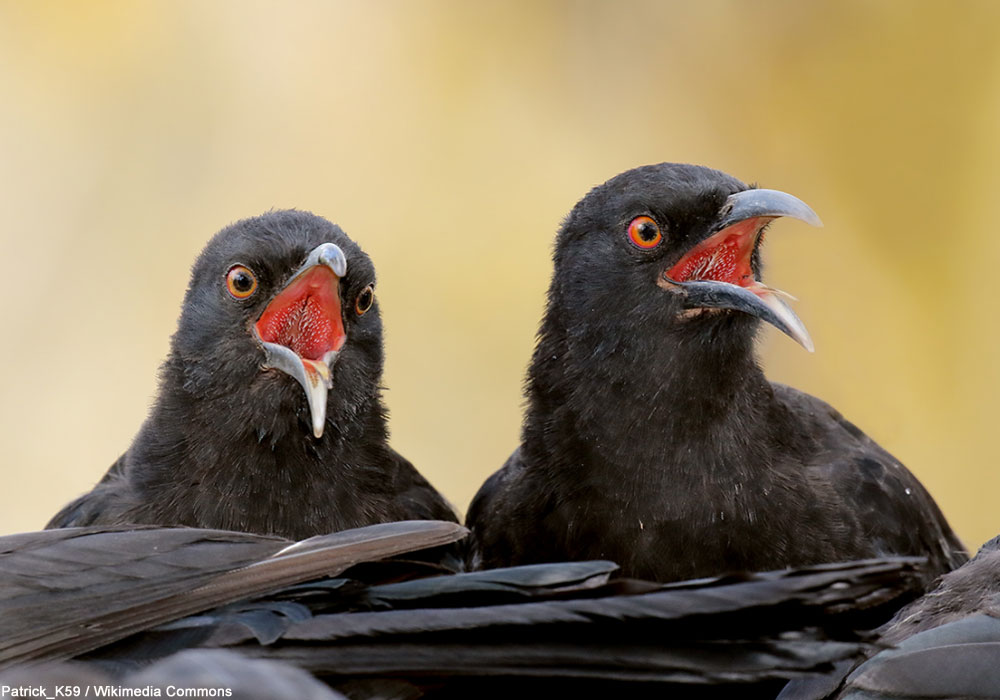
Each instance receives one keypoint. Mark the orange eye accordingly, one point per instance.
(364, 300)
(241, 282)
(644, 233)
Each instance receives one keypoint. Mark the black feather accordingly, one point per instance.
(944, 644)
(53, 606)
(568, 624)
(959, 659)
(334, 607)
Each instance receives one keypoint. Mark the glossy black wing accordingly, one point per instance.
(882, 500)
(959, 659)
(66, 592)
(561, 623)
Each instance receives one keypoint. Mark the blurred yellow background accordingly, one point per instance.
(449, 138)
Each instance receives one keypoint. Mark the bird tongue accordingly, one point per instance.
(302, 331)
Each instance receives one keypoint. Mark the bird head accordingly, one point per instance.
(276, 301)
(676, 246)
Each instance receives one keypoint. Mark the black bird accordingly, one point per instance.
(118, 600)
(652, 437)
(269, 417)
(945, 644)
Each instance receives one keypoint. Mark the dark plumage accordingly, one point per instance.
(652, 437)
(116, 601)
(68, 591)
(244, 434)
(945, 644)
(972, 589)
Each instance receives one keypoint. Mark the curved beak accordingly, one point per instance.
(772, 204)
(302, 330)
(718, 272)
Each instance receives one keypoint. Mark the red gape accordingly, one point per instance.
(305, 316)
(723, 257)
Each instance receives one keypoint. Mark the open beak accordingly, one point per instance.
(302, 329)
(718, 272)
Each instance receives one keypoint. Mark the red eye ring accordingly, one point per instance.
(644, 232)
(241, 281)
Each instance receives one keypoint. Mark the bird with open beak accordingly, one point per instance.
(653, 438)
(269, 417)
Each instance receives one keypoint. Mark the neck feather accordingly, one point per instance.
(626, 402)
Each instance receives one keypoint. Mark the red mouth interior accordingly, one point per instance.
(722, 257)
(305, 316)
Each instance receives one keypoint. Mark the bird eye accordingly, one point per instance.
(241, 282)
(644, 233)
(365, 300)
